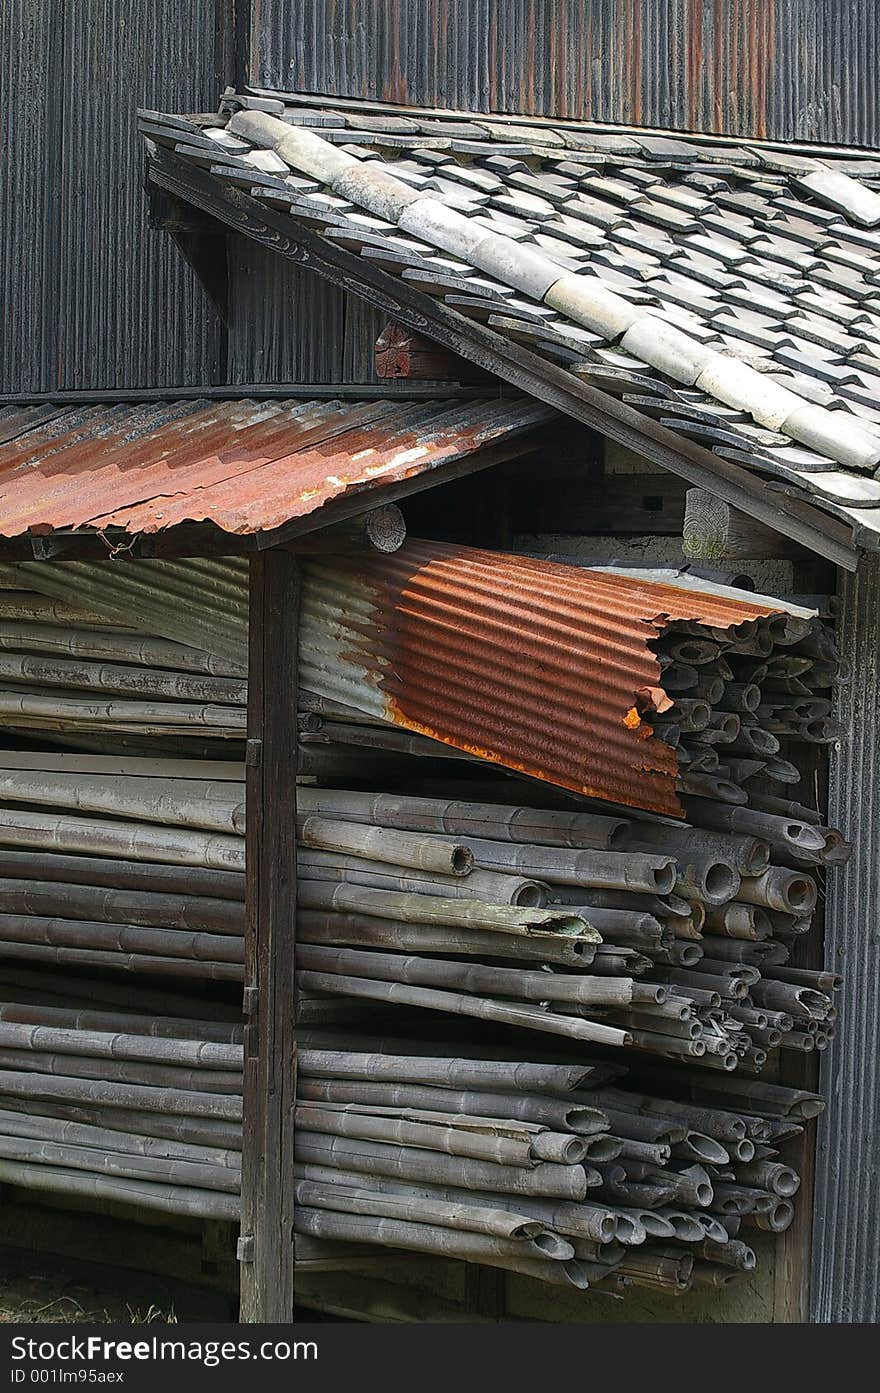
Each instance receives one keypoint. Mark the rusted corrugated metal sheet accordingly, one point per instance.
(785, 69)
(535, 666)
(245, 466)
(540, 667)
(91, 296)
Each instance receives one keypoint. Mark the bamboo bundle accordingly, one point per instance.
(663, 946)
(493, 1148)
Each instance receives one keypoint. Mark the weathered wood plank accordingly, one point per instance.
(266, 1246)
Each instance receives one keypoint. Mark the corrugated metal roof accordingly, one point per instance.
(245, 466)
(725, 292)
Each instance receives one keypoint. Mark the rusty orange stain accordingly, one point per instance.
(532, 665)
(246, 466)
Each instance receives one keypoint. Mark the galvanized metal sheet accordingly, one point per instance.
(91, 296)
(846, 1223)
(245, 466)
(786, 69)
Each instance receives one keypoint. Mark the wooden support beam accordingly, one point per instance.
(402, 353)
(266, 1244)
(381, 529)
(715, 531)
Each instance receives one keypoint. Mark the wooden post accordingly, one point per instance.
(266, 1245)
(714, 531)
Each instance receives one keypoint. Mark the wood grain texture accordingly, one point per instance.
(267, 1244)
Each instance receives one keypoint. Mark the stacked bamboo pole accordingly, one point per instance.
(655, 954)
(541, 1168)
(668, 939)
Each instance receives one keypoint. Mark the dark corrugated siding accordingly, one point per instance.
(787, 69)
(91, 296)
(289, 325)
(846, 1226)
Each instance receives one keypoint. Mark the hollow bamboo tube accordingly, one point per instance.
(119, 906)
(172, 1028)
(170, 1199)
(780, 889)
(315, 926)
(111, 645)
(412, 908)
(409, 1163)
(479, 884)
(121, 875)
(455, 817)
(807, 977)
(718, 1122)
(55, 1088)
(685, 1227)
(658, 1043)
(789, 832)
(731, 1254)
(460, 1004)
(428, 1238)
(464, 1216)
(620, 925)
(24, 1125)
(482, 1074)
(737, 920)
(568, 1218)
(770, 1175)
(657, 1269)
(202, 1131)
(137, 841)
(29, 606)
(639, 871)
(408, 849)
(81, 933)
(84, 1158)
(706, 877)
(793, 1000)
(123, 962)
(107, 1045)
(45, 1062)
(211, 806)
(555, 1113)
(494, 981)
(88, 675)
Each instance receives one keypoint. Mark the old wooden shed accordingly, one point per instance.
(646, 336)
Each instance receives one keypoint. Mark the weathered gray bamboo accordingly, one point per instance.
(363, 931)
(457, 1003)
(110, 905)
(494, 981)
(413, 851)
(138, 841)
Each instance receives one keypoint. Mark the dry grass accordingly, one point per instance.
(41, 1300)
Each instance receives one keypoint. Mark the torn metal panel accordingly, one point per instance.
(542, 668)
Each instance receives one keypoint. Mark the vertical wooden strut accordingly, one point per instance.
(266, 1246)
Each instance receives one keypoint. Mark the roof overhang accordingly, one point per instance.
(514, 363)
(225, 477)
